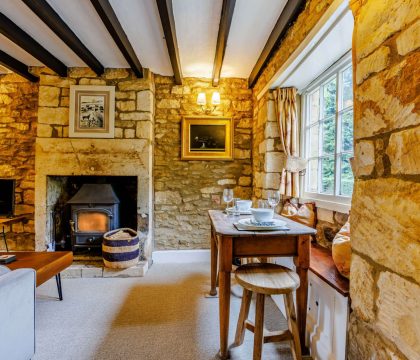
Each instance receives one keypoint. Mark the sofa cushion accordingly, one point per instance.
(4, 270)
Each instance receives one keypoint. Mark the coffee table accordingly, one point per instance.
(46, 265)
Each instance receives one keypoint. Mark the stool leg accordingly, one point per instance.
(259, 327)
(243, 316)
(291, 320)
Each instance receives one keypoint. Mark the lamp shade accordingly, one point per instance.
(215, 98)
(201, 99)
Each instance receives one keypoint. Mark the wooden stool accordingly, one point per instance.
(267, 279)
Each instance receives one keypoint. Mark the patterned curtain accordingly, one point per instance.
(286, 113)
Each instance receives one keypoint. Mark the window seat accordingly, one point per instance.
(323, 266)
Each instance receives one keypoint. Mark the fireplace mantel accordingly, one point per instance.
(99, 157)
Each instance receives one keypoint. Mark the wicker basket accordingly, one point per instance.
(121, 248)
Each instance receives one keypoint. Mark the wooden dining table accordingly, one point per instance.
(228, 243)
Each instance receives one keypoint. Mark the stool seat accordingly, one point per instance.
(268, 279)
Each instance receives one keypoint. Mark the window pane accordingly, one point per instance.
(328, 135)
(347, 131)
(329, 97)
(346, 185)
(327, 175)
(314, 141)
(347, 99)
(313, 176)
(314, 107)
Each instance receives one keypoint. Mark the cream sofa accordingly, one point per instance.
(17, 314)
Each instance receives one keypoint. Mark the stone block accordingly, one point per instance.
(144, 130)
(53, 116)
(118, 133)
(88, 81)
(145, 101)
(382, 19)
(404, 152)
(136, 116)
(112, 74)
(272, 181)
(398, 312)
(44, 130)
(409, 39)
(364, 158)
(136, 85)
(226, 182)
(168, 104)
(78, 72)
(167, 198)
(211, 190)
(271, 130)
(125, 95)
(242, 154)
(274, 162)
(374, 63)
(58, 81)
(5, 99)
(92, 272)
(49, 96)
(245, 181)
(362, 288)
(126, 105)
(385, 221)
(135, 271)
(129, 133)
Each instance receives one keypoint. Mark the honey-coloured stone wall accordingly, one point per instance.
(185, 190)
(385, 271)
(18, 124)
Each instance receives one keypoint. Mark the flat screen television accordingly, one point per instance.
(7, 197)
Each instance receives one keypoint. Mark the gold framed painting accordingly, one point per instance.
(207, 138)
(92, 111)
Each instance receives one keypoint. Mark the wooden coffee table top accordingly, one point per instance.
(46, 264)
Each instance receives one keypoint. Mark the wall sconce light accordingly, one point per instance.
(202, 101)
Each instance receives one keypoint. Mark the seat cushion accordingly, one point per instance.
(267, 279)
(4, 270)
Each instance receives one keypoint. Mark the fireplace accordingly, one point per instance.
(94, 211)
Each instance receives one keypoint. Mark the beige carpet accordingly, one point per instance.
(161, 316)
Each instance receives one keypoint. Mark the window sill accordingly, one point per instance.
(328, 205)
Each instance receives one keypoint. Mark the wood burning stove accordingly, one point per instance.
(94, 211)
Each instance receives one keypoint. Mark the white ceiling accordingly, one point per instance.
(196, 23)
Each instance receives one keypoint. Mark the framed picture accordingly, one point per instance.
(92, 111)
(207, 138)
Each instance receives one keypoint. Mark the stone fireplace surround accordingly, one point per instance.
(98, 157)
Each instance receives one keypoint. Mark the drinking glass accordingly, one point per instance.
(273, 198)
(227, 196)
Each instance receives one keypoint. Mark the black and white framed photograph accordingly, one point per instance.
(92, 111)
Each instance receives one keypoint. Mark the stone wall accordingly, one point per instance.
(268, 158)
(128, 154)
(385, 271)
(185, 190)
(18, 122)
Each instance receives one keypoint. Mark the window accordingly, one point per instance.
(328, 134)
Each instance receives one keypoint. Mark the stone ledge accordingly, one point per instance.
(97, 270)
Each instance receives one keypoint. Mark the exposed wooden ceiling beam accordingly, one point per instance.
(48, 15)
(168, 24)
(228, 8)
(16, 66)
(287, 17)
(113, 25)
(9, 29)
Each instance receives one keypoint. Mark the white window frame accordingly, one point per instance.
(327, 201)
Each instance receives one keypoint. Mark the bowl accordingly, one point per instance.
(262, 214)
(244, 205)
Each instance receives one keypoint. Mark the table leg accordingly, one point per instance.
(59, 288)
(4, 238)
(214, 255)
(302, 265)
(301, 304)
(224, 310)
